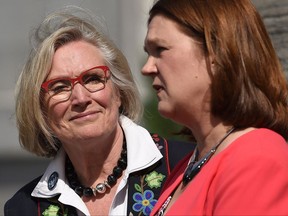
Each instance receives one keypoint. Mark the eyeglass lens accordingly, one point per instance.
(93, 80)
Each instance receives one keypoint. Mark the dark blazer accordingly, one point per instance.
(22, 203)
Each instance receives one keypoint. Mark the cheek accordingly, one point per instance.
(55, 113)
(112, 102)
(108, 98)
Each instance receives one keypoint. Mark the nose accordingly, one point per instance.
(149, 67)
(79, 95)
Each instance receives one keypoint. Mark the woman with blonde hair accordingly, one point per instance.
(78, 103)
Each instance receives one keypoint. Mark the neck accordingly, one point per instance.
(194, 166)
(110, 180)
(208, 138)
(92, 165)
(220, 142)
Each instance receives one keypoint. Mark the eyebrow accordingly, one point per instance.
(153, 42)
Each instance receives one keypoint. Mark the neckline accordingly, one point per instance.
(194, 166)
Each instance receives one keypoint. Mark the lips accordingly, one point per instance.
(82, 115)
(158, 87)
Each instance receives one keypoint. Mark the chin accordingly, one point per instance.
(169, 112)
(164, 112)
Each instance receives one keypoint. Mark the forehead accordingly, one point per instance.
(75, 57)
(77, 53)
(160, 29)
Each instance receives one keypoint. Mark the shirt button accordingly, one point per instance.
(52, 181)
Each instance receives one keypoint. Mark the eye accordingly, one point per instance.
(160, 49)
(154, 49)
(59, 86)
(92, 79)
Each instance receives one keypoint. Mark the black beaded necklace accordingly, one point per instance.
(101, 187)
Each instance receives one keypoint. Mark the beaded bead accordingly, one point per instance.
(117, 171)
(88, 192)
(111, 180)
(101, 188)
(79, 190)
(122, 163)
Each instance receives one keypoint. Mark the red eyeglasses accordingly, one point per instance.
(93, 79)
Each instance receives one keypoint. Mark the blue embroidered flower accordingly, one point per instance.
(144, 202)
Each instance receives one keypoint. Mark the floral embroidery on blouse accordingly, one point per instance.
(55, 210)
(144, 198)
(156, 139)
(144, 202)
(52, 210)
(154, 179)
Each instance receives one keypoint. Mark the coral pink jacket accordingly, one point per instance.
(249, 177)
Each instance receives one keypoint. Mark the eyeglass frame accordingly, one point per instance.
(77, 79)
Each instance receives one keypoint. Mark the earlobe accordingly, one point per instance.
(211, 64)
(212, 60)
(118, 99)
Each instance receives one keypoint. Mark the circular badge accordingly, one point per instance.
(52, 181)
